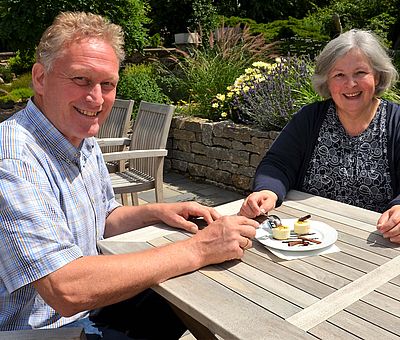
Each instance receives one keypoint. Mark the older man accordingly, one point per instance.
(57, 202)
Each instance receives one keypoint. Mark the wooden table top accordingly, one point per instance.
(351, 294)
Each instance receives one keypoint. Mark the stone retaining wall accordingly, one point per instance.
(222, 153)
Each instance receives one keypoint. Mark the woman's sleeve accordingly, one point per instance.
(281, 166)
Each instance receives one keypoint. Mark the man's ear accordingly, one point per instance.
(38, 75)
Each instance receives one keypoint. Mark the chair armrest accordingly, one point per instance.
(113, 141)
(134, 154)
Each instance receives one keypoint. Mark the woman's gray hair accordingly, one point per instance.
(69, 27)
(369, 45)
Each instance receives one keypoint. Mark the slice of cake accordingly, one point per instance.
(302, 225)
(281, 232)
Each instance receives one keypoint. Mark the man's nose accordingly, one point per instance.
(95, 95)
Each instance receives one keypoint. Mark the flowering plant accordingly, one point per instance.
(268, 94)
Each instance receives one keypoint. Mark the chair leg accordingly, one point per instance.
(159, 180)
(159, 193)
(135, 198)
(124, 199)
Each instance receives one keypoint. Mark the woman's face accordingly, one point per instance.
(351, 83)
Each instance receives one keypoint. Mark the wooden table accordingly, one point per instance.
(354, 293)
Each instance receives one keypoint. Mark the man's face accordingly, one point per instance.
(78, 93)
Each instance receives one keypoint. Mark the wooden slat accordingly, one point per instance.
(142, 234)
(360, 327)
(116, 156)
(123, 141)
(328, 331)
(323, 204)
(342, 298)
(73, 333)
(196, 286)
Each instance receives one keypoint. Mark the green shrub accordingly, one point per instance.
(22, 23)
(22, 62)
(211, 68)
(18, 90)
(6, 74)
(369, 15)
(139, 82)
(298, 36)
(15, 96)
(21, 94)
(7, 101)
(23, 81)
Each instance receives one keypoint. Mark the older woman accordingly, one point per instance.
(345, 148)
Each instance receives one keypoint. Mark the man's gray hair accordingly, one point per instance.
(69, 27)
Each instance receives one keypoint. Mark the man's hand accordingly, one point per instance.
(389, 224)
(178, 214)
(258, 203)
(224, 239)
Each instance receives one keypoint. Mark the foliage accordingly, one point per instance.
(392, 94)
(181, 16)
(22, 22)
(139, 82)
(306, 35)
(22, 62)
(296, 36)
(370, 15)
(268, 11)
(23, 81)
(211, 68)
(22, 93)
(268, 94)
(18, 90)
(6, 74)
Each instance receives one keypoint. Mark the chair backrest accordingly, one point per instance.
(117, 123)
(150, 131)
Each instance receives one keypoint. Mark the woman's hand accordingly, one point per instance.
(178, 214)
(258, 203)
(389, 224)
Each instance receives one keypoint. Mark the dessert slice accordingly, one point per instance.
(302, 225)
(281, 232)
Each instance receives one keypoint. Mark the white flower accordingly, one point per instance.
(220, 97)
(261, 64)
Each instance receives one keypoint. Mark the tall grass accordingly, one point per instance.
(208, 70)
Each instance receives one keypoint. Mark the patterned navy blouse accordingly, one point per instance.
(351, 169)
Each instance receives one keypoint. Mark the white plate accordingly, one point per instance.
(325, 233)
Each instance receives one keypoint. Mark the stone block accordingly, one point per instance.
(247, 171)
(228, 166)
(179, 165)
(183, 156)
(236, 145)
(218, 141)
(182, 145)
(207, 134)
(184, 134)
(241, 182)
(199, 148)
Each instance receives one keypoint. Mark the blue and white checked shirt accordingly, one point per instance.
(54, 200)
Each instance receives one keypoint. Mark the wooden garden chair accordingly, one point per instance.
(144, 160)
(117, 123)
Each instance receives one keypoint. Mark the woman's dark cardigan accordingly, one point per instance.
(286, 162)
